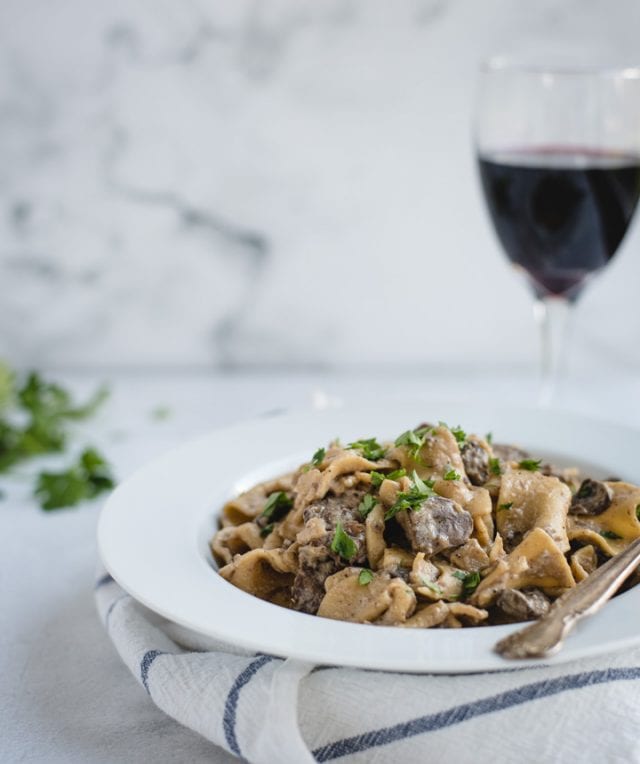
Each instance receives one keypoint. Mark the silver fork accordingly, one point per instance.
(545, 636)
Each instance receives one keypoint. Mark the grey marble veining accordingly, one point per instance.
(268, 183)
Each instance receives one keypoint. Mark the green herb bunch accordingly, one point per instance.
(36, 417)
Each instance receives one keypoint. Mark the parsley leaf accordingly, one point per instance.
(419, 492)
(365, 577)
(414, 440)
(264, 532)
(278, 504)
(43, 410)
(369, 447)
(506, 505)
(533, 465)
(87, 478)
(366, 505)
(7, 385)
(451, 474)
(638, 511)
(494, 466)
(610, 535)
(343, 544)
(318, 457)
(470, 581)
(489, 438)
(377, 478)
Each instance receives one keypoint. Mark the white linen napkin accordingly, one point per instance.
(270, 711)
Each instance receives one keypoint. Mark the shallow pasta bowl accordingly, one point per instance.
(154, 530)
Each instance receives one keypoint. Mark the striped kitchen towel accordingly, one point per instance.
(273, 711)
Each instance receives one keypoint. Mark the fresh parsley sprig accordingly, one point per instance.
(377, 478)
(451, 474)
(365, 577)
(90, 476)
(532, 465)
(366, 505)
(470, 581)
(495, 467)
(277, 506)
(343, 544)
(369, 448)
(35, 417)
(414, 440)
(420, 491)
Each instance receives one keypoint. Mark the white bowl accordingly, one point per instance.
(154, 529)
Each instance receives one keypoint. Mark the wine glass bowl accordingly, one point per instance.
(559, 160)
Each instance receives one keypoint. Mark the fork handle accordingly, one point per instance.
(545, 636)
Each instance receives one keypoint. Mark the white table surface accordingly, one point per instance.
(64, 695)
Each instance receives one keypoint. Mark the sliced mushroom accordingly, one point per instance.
(523, 605)
(508, 453)
(475, 458)
(438, 524)
(592, 498)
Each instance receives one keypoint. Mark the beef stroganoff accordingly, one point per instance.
(436, 529)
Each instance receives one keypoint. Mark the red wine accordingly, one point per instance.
(560, 213)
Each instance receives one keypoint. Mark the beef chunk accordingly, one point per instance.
(316, 560)
(476, 462)
(316, 563)
(525, 605)
(438, 524)
(592, 498)
(341, 509)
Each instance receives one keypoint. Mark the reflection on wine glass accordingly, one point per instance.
(559, 159)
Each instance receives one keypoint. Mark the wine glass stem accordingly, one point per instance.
(551, 314)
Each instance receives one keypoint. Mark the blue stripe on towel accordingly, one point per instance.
(106, 579)
(462, 713)
(145, 664)
(231, 705)
(111, 607)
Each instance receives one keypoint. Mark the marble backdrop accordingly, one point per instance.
(276, 182)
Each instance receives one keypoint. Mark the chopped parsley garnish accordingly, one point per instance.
(610, 535)
(451, 474)
(489, 438)
(506, 505)
(365, 577)
(434, 587)
(377, 478)
(470, 581)
(318, 457)
(459, 434)
(267, 530)
(494, 466)
(638, 511)
(369, 447)
(533, 465)
(420, 491)
(366, 505)
(86, 479)
(43, 411)
(414, 440)
(278, 504)
(343, 544)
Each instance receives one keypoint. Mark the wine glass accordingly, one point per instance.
(559, 158)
